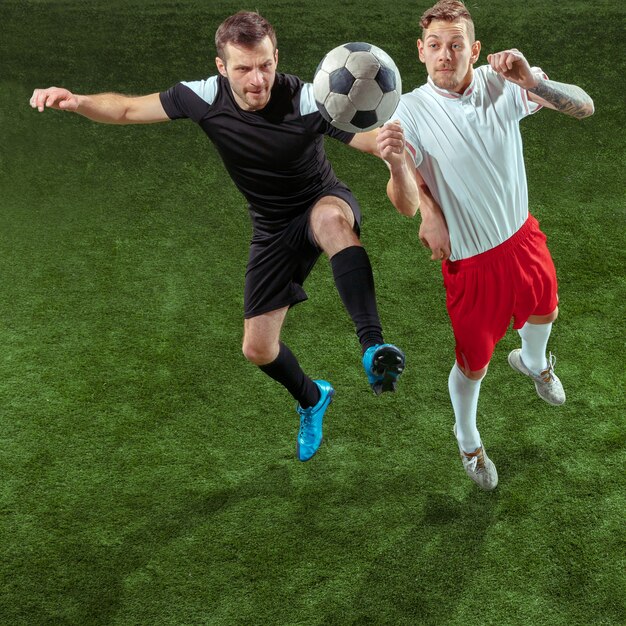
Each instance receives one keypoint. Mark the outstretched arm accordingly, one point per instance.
(408, 192)
(568, 99)
(108, 108)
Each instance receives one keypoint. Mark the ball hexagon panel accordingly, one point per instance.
(339, 108)
(365, 94)
(363, 65)
(337, 57)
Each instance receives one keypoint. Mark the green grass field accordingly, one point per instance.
(147, 471)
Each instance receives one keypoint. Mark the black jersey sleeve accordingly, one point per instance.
(189, 100)
(335, 133)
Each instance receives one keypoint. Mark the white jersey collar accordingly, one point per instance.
(453, 95)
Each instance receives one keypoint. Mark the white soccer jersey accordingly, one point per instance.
(468, 149)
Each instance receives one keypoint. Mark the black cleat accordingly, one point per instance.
(383, 365)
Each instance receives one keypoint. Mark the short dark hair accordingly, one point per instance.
(449, 11)
(246, 29)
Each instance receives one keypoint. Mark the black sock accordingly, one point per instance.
(355, 284)
(287, 371)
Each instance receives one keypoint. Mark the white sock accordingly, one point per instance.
(534, 344)
(464, 395)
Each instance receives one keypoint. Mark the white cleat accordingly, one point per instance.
(547, 383)
(479, 467)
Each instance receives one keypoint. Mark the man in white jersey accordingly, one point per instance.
(462, 148)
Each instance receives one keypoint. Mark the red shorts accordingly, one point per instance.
(514, 280)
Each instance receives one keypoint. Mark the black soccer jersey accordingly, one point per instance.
(275, 156)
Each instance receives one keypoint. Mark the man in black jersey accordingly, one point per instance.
(270, 136)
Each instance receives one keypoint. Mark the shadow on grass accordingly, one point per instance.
(420, 578)
(291, 544)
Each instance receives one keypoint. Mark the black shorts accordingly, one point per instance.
(280, 262)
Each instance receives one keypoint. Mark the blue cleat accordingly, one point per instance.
(310, 435)
(383, 365)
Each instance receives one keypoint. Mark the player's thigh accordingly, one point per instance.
(277, 267)
(480, 304)
(474, 345)
(535, 276)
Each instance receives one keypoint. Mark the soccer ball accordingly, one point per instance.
(357, 87)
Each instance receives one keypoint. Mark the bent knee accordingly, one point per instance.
(332, 230)
(259, 353)
(331, 219)
(474, 374)
(544, 319)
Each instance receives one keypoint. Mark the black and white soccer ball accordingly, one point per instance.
(357, 87)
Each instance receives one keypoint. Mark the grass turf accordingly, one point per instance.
(148, 472)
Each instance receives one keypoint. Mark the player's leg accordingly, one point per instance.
(534, 335)
(464, 389)
(274, 278)
(334, 228)
(533, 360)
(262, 346)
(479, 306)
(538, 295)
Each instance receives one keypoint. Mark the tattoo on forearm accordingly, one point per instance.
(568, 99)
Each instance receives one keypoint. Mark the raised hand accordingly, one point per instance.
(512, 65)
(391, 143)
